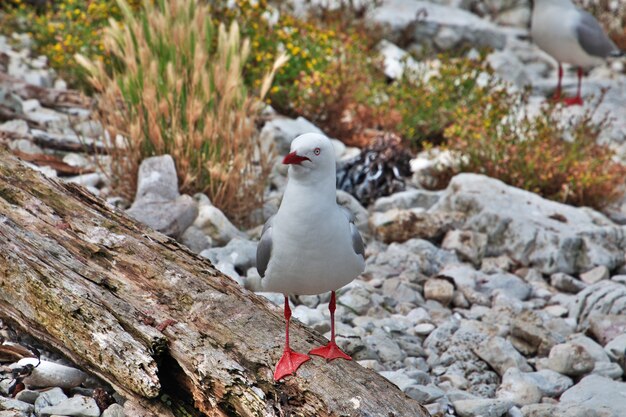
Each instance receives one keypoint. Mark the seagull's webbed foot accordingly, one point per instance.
(329, 352)
(573, 101)
(289, 363)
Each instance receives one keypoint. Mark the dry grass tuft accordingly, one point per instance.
(176, 87)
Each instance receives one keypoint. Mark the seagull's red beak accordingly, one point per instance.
(294, 159)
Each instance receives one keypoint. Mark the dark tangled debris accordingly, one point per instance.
(378, 171)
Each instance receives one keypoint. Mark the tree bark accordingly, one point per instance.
(149, 317)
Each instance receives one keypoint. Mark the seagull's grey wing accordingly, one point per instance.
(264, 248)
(592, 38)
(357, 241)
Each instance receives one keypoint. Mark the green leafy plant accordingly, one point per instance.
(178, 88)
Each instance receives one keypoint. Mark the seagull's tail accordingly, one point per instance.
(617, 53)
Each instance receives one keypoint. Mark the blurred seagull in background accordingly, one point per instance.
(572, 36)
(311, 245)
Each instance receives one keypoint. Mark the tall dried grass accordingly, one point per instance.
(176, 87)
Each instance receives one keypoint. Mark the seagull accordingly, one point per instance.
(311, 245)
(570, 35)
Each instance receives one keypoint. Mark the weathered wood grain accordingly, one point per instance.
(147, 316)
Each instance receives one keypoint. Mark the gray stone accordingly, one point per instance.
(608, 369)
(401, 291)
(157, 179)
(50, 374)
(468, 245)
(439, 290)
(594, 275)
(397, 225)
(114, 410)
(482, 407)
(606, 327)
(500, 354)
(517, 388)
(398, 378)
(530, 335)
(424, 329)
(77, 406)
(510, 284)
(594, 349)
(28, 396)
(282, 131)
(239, 252)
(15, 405)
(171, 218)
(549, 382)
(87, 180)
(48, 398)
(509, 67)
(386, 348)
(25, 146)
(598, 393)
(539, 233)
(435, 25)
(18, 127)
(567, 283)
(195, 239)
(570, 359)
(425, 394)
(493, 264)
(407, 199)
(604, 297)
(214, 223)
(357, 299)
(616, 349)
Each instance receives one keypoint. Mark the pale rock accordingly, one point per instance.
(28, 396)
(114, 410)
(500, 354)
(482, 407)
(493, 264)
(157, 179)
(518, 389)
(386, 348)
(594, 349)
(281, 131)
(570, 359)
(48, 398)
(398, 378)
(616, 350)
(171, 218)
(77, 160)
(195, 239)
(425, 394)
(87, 180)
(550, 383)
(597, 393)
(608, 369)
(15, 406)
(594, 275)
(439, 290)
(407, 200)
(530, 335)
(549, 236)
(401, 291)
(509, 67)
(424, 329)
(241, 253)
(435, 25)
(606, 327)
(50, 374)
(396, 60)
(397, 225)
(357, 299)
(213, 223)
(603, 297)
(25, 146)
(77, 406)
(468, 245)
(510, 284)
(556, 310)
(567, 283)
(18, 127)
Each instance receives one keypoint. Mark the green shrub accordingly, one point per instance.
(178, 88)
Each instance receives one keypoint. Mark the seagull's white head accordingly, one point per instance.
(312, 156)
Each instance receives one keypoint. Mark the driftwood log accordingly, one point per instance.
(150, 318)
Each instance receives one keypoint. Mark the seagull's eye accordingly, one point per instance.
(317, 151)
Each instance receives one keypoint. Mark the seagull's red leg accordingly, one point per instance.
(576, 101)
(331, 350)
(290, 361)
(557, 93)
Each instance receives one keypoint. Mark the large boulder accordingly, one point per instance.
(546, 235)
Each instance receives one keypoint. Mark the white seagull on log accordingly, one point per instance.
(570, 35)
(311, 245)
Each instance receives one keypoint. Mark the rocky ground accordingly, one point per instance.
(478, 300)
